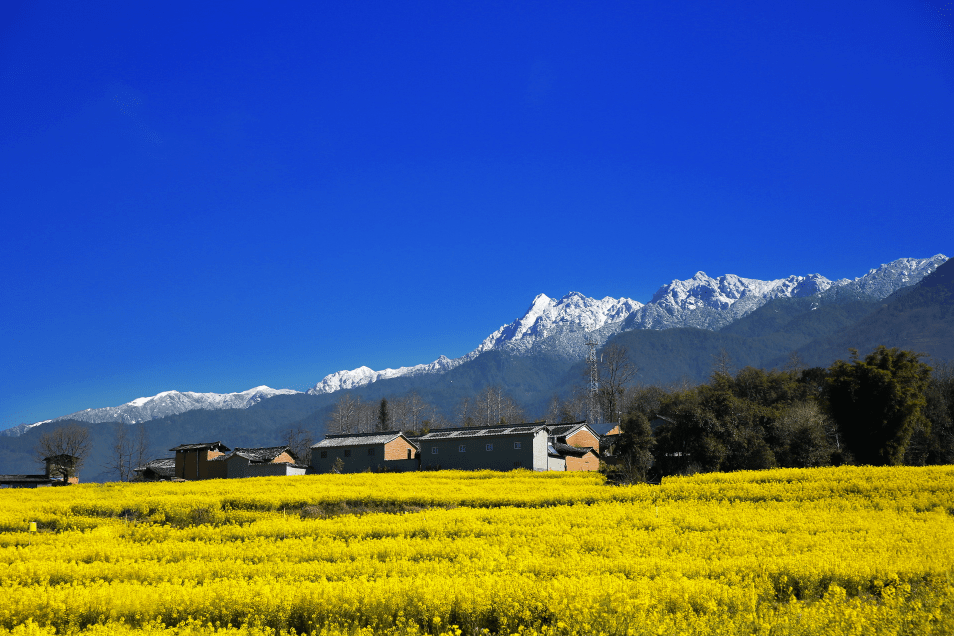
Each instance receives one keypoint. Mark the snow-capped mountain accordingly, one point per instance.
(363, 376)
(20, 429)
(174, 402)
(562, 327)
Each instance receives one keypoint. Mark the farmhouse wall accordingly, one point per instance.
(588, 462)
(584, 439)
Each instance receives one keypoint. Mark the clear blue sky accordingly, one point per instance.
(212, 197)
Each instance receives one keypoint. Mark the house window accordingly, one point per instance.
(490, 447)
(462, 448)
(516, 445)
(347, 452)
(371, 451)
(433, 450)
(410, 454)
(324, 454)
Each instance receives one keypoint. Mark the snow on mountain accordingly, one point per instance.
(174, 402)
(883, 281)
(363, 376)
(20, 429)
(712, 303)
(547, 316)
(562, 327)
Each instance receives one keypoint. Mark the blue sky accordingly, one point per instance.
(209, 200)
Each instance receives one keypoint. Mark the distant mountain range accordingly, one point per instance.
(675, 338)
(714, 313)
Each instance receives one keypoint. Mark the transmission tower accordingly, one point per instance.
(593, 402)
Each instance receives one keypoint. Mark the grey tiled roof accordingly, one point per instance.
(255, 455)
(217, 446)
(574, 451)
(358, 439)
(159, 466)
(489, 431)
(562, 430)
(602, 428)
(26, 479)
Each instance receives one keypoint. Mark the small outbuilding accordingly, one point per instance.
(260, 462)
(157, 470)
(194, 461)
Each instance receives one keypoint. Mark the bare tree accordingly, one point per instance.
(129, 450)
(298, 439)
(616, 373)
(71, 443)
(410, 412)
(343, 419)
(493, 406)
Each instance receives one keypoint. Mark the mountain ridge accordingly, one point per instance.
(560, 328)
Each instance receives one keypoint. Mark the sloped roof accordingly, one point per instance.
(165, 467)
(567, 428)
(359, 439)
(216, 446)
(602, 428)
(487, 431)
(27, 479)
(573, 451)
(255, 455)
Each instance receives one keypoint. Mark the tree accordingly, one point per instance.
(635, 446)
(69, 440)
(344, 417)
(129, 450)
(616, 372)
(877, 402)
(384, 417)
(299, 440)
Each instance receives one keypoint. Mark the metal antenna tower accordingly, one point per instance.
(593, 402)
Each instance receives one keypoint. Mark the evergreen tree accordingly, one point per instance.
(877, 403)
(384, 416)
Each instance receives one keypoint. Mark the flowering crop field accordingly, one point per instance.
(815, 551)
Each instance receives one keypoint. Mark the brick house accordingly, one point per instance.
(578, 434)
(194, 461)
(488, 448)
(260, 462)
(359, 452)
(576, 458)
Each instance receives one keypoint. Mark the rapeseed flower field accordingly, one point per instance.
(849, 550)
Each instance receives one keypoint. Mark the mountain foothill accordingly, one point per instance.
(690, 331)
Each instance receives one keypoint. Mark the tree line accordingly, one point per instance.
(887, 408)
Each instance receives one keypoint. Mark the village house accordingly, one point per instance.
(388, 451)
(494, 447)
(260, 462)
(57, 467)
(194, 461)
(575, 434)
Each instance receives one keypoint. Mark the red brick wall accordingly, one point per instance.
(584, 439)
(284, 458)
(588, 462)
(398, 448)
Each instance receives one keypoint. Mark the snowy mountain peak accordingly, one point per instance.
(175, 402)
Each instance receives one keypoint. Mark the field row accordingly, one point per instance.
(848, 550)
